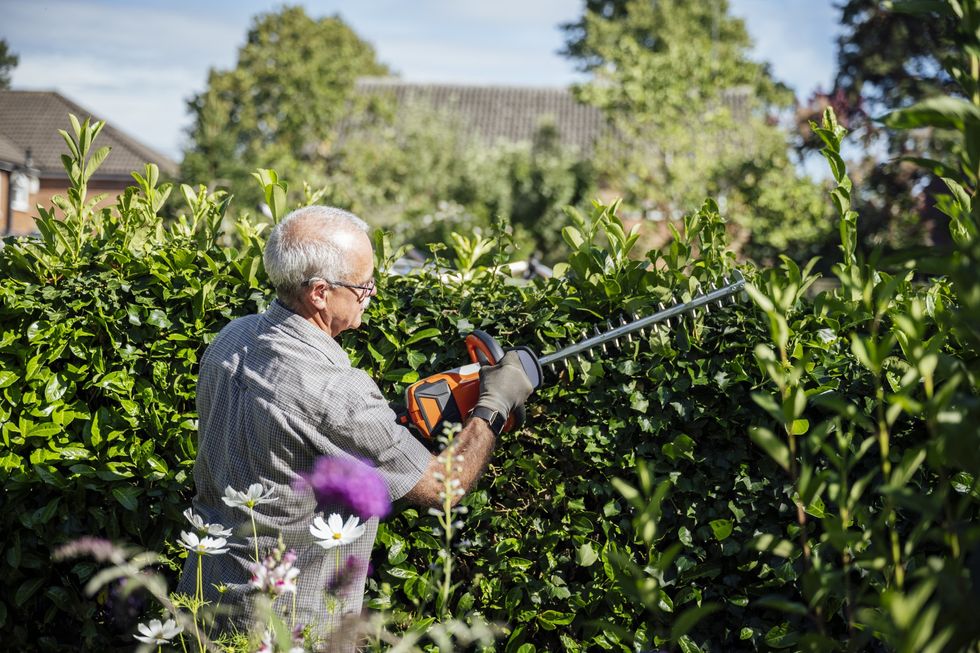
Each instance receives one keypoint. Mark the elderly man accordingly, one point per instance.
(276, 391)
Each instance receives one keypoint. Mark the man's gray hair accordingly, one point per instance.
(302, 246)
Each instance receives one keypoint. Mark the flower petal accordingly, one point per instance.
(351, 523)
(319, 528)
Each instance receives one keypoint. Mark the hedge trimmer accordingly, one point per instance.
(450, 396)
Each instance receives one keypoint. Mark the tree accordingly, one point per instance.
(889, 59)
(416, 170)
(8, 61)
(281, 105)
(690, 112)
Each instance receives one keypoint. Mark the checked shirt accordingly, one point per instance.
(274, 393)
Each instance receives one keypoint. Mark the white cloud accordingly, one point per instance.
(513, 14)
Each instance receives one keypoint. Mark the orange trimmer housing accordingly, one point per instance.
(449, 396)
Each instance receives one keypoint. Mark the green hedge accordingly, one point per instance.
(648, 502)
(103, 320)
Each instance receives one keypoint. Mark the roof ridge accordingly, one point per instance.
(10, 149)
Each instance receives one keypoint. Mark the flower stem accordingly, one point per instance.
(255, 534)
(447, 524)
(337, 579)
(200, 599)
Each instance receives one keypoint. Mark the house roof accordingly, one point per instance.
(31, 120)
(495, 113)
(9, 152)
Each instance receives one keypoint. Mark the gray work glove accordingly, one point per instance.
(504, 387)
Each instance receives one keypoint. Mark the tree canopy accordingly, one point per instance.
(891, 59)
(281, 105)
(693, 116)
(8, 61)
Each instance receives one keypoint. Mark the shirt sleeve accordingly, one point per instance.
(362, 423)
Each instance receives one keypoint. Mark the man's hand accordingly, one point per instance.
(504, 387)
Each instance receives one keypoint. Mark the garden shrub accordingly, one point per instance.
(803, 470)
(104, 317)
(791, 473)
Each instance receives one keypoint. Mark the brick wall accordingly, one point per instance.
(23, 222)
(4, 199)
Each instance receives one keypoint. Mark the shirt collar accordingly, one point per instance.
(279, 315)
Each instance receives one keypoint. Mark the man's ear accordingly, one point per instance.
(314, 297)
(320, 296)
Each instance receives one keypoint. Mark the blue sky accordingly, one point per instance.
(136, 63)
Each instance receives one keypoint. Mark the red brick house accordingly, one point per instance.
(31, 172)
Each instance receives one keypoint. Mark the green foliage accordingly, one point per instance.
(795, 474)
(892, 552)
(8, 61)
(883, 478)
(691, 117)
(282, 103)
(891, 55)
(960, 173)
(417, 174)
(103, 319)
(547, 528)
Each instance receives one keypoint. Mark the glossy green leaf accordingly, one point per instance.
(27, 589)
(128, 497)
(721, 528)
(776, 449)
(585, 555)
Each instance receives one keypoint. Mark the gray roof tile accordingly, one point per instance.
(501, 113)
(31, 119)
(9, 152)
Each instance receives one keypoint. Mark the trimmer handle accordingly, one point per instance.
(483, 349)
(451, 395)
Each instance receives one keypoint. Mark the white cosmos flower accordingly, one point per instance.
(253, 496)
(158, 633)
(335, 531)
(208, 546)
(214, 530)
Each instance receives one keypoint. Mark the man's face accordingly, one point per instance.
(345, 304)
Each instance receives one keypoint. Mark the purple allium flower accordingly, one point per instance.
(351, 483)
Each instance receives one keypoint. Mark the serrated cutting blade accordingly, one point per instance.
(588, 344)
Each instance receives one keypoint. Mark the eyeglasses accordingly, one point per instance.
(366, 289)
